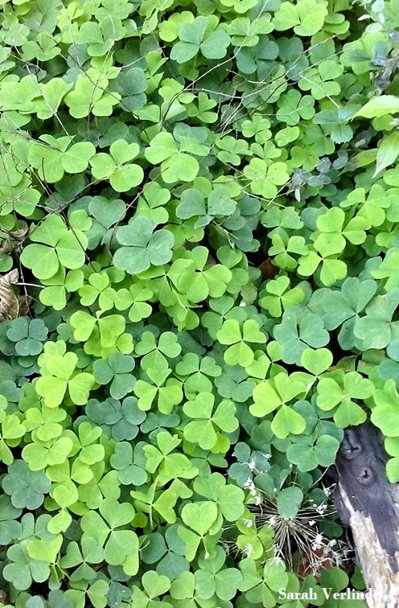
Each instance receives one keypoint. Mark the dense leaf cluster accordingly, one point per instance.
(200, 199)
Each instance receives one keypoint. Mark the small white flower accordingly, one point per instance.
(318, 542)
(321, 509)
(248, 523)
(312, 522)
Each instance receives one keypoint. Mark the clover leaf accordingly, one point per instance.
(376, 329)
(118, 420)
(22, 570)
(115, 371)
(155, 352)
(278, 297)
(89, 95)
(102, 335)
(54, 246)
(131, 85)
(59, 377)
(193, 37)
(264, 178)
(307, 457)
(142, 247)
(212, 578)
(165, 463)
(11, 431)
(208, 421)
(176, 163)
(276, 394)
(120, 545)
(218, 205)
(344, 393)
(297, 332)
(166, 393)
(306, 17)
(196, 279)
(26, 488)
(28, 335)
(54, 156)
(39, 454)
(10, 527)
(115, 166)
(239, 353)
(154, 585)
(229, 498)
(130, 465)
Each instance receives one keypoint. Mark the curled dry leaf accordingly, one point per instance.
(9, 301)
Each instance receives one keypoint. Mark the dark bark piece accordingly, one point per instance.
(367, 502)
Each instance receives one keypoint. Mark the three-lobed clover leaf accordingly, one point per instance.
(131, 85)
(195, 36)
(54, 246)
(199, 518)
(141, 247)
(108, 528)
(237, 335)
(297, 332)
(28, 335)
(10, 527)
(115, 166)
(207, 420)
(177, 164)
(276, 393)
(59, 377)
(39, 454)
(228, 498)
(344, 391)
(279, 297)
(129, 463)
(197, 373)
(115, 371)
(306, 17)
(119, 420)
(25, 487)
(89, 95)
(213, 578)
(155, 352)
(196, 278)
(378, 328)
(21, 570)
(166, 464)
(193, 204)
(165, 392)
(264, 177)
(52, 157)
(102, 335)
(154, 585)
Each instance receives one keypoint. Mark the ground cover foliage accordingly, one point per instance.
(199, 281)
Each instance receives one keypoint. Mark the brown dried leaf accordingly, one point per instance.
(9, 302)
(267, 269)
